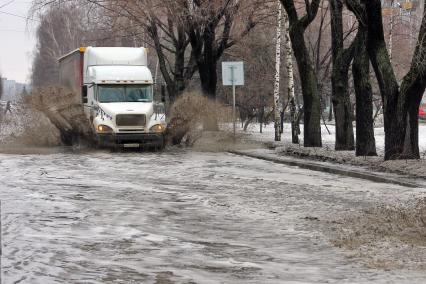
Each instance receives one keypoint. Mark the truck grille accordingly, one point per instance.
(130, 120)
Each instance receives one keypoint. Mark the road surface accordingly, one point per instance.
(179, 217)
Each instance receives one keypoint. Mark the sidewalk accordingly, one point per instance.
(341, 162)
(334, 168)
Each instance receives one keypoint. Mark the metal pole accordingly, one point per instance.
(233, 102)
(233, 109)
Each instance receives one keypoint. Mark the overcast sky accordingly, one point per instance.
(16, 40)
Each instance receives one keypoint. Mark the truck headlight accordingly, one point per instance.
(158, 128)
(103, 129)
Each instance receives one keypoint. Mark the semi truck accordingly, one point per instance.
(115, 90)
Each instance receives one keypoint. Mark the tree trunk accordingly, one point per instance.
(342, 113)
(248, 121)
(208, 78)
(339, 80)
(400, 104)
(179, 78)
(365, 141)
(308, 78)
(395, 111)
(413, 86)
(277, 124)
(391, 24)
(411, 143)
(290, 84)
(309, 82)
(294, 123)
(330, 114)
(413, 97)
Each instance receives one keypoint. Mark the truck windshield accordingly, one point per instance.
(128, 93)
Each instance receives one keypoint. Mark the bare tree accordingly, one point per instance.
(365, 141)
(309, 82)
(277, 116)
(401, 102)
(61, 30)
(342, 58)
(255, 98)
(164, 23)
(294, 111)
(212, 27)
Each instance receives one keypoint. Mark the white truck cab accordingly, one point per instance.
(117, 95)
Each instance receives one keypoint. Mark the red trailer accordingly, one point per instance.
(71, 71)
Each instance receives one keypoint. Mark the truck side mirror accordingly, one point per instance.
(84, 94)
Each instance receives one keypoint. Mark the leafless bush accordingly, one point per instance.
(188, 114)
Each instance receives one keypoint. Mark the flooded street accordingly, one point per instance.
(180, 217)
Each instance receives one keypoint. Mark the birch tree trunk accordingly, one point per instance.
(391, 33)
(295, 129)
(277, 116)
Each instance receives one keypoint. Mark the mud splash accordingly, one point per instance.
(24, 128)
(222, 141)
(198, 122)
(190, 114)
(47, 118)
(64, 110)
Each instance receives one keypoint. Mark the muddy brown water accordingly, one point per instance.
(183, 216)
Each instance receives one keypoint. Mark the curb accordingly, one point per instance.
(326, 168)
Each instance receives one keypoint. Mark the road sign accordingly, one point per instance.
(233, 73)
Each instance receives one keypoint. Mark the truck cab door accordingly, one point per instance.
(89, 102)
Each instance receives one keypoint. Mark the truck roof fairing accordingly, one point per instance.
(118, 75)
(111, 56)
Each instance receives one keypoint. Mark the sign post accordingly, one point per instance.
(233, 75)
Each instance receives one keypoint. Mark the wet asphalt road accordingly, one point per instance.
(178, 217)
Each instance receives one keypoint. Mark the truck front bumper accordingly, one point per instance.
(131, 139)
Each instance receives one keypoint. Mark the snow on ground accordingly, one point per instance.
(328, 136)
(415, 168)
(190, 217)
